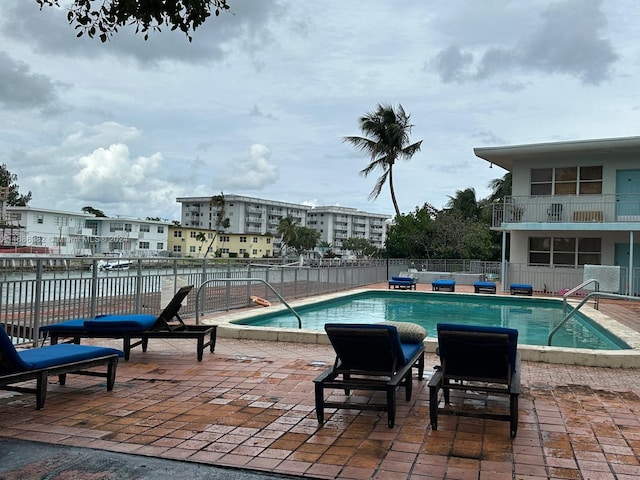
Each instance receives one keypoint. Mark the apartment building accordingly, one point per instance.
(200, 242)
(257, 216)
(38, 230)
(573, 204)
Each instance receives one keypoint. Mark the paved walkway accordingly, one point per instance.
(251, 405)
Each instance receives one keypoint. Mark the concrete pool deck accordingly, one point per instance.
(605, 316)
(249, 407)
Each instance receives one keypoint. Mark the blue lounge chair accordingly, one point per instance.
(484, 287)
(138, 327)
(37, 364)
(448, 285)
(403, 283)
(368, 357)
(521, 289)
(476, 358)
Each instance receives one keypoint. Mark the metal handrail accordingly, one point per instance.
(614, 296)
(568, 293)
(284, 302)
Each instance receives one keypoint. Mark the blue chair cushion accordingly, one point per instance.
(68, 325)
(104, 324)
(512, 335)
(409, 350)
(60, 354)
(120, 323)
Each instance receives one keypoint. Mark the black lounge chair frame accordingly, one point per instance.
(169, 325)
(41, 376)
(351, 343)
(475, 361)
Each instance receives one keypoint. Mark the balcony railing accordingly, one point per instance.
(567, 209)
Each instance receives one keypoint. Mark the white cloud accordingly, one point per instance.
(250, 172)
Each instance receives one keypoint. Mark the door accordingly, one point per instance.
(622, 260)
(628, 195)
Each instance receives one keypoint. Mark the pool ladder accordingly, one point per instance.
(596, 295)
(227, 280)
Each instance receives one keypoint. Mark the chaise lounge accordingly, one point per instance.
(478, 359)
(368, 357)
(443, 285)
(404, 283)
(17, 367)
(140, 327)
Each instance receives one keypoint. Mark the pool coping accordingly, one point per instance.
(629, 358)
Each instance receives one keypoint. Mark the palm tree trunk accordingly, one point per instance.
(393, 193)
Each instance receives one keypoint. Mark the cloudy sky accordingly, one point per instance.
(259, 102)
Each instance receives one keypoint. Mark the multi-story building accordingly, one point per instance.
(573, 204)
(336, 224)
(69, 233)
(200, 242)
(256, 216)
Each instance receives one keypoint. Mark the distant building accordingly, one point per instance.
(200, 242)
(38, 230)
(257, 216)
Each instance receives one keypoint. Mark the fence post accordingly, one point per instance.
(37, 314)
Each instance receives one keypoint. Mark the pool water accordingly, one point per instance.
(534, 318)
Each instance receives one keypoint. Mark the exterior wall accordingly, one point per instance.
(68, 233)
(183, 242)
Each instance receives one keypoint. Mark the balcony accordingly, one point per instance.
(567, 209)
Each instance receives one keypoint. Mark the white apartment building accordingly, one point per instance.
(41, 230)
(249, 215)
(336, 224)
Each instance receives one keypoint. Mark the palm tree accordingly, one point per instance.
(287, 230)
(201, 237)
(386, 140)
(500, 188)
(221, 222)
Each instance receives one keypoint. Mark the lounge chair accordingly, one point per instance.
(480, 359)
(444, 285)
(403, 283)
(484, 287)
(37, 364)
(138, 327)
(368, 357)
(521, 289)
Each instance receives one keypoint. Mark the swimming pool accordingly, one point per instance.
(534, 318)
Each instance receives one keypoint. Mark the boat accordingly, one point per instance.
(110, 265)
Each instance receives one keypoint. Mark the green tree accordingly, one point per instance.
(221, 223)
(287, 231)
(102, 19)
(360, 247)
(500, 188)
(386, 140)
(96, 212)
(411, 235)
(201, 237)
(304, 239)
(465, 204)
(13, 196)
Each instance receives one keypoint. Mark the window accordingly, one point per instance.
(566, 181)
(177, 248)
(254, 251)
(192, 249)
(243, 251)
(193, 234)
(255, 240)
(116, 227)
(160, 246)
(144, 228)
(177, 233)
(564, 251)
(143, 245)
(127, 227)
(40, 219)
(160, 228)
(243, 239)
(60, 221)
(225, 238)
(268, 240)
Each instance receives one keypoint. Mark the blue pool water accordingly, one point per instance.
(533, 317)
